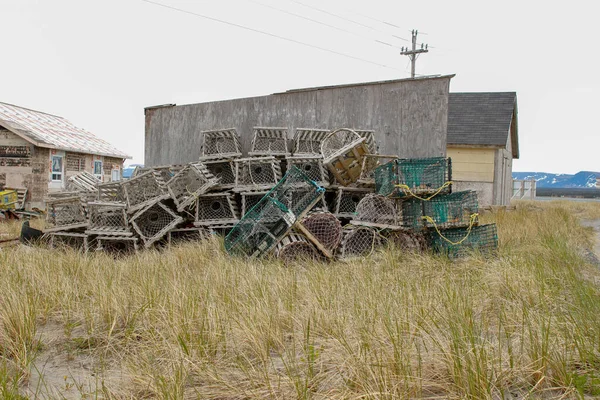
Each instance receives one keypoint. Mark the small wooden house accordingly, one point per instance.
(482, 142)
(40, 151)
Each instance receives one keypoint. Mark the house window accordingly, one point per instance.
(115, 175)
(57, 168)
(98, 168)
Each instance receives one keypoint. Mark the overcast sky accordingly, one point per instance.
(99, 63)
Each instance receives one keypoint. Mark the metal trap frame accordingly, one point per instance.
(267, 141)
(480, 239)
(346, 200)
(419, 176)
(370, 163)
(220, 143)
(258, 173)
(311, 166)
(74, 240)
(216, 209)
(359, 241)
(224, 171)
(65, 214)
(108, 219)
(343, 152)
(143, 190)
(154, 221)
(455, 210)
(307, 141)
(189, 183)
(252, 237)
(295, 247)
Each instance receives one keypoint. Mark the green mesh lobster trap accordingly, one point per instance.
(261, 228)
(414, 177)
(460, 242)
(455, 210)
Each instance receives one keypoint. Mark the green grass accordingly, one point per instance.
(192, 322)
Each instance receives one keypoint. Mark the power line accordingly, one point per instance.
(267, 34)
(320, 23)
(346, 19)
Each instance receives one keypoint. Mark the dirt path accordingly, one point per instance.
(595, 252)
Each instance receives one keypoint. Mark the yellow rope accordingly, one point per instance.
(406, 189)
(472, 221)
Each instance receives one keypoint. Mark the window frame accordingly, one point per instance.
(101, 170)
(54, 173)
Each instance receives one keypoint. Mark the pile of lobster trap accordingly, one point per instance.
(319, 195)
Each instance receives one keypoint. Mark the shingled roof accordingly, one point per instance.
(53, 132)
(483, 119)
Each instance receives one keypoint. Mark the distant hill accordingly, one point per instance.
(582, 179)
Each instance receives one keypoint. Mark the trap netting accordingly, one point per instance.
(256, 173)
(408, 241)
(250, 199)
(142, 190)
(175, 236)
(108, 219)
(111, 192)
(65, 213)
(377, 210)
(117, 245)
(224, 171)
(370, 163)
(252, 236)
(460, 242)
(154, 221)
(216, 209)
(220, 143)
(325, 228)
(77, 241)
(312, 167)
(343, 152)
(359, 241)
(414, 177)
(454, 210)
(269, 142)
(347, 199)
(295, 247)
(307, 142)
(192, 181)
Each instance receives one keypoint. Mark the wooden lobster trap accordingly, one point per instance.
(216, 209)
(259, 173)
(377, 211)
(269, 142)
(307, 142)
(65, 213)
(295, 247)
(111, 192)
(220, 143)
(347, 199)
(189, 183)
(312, 167)
(323, 229)
(83, 181)
(154, 221)
(74, 240)
(343, 152)
(370, 141)
(224, 171)
(117, 245)
(143, 190)
(108, 219)
(370, 164)
(359, 241)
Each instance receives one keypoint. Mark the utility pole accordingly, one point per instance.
(412, 54)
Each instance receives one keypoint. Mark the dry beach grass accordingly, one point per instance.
(192, 322)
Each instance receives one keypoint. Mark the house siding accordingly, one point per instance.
(473, 169)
